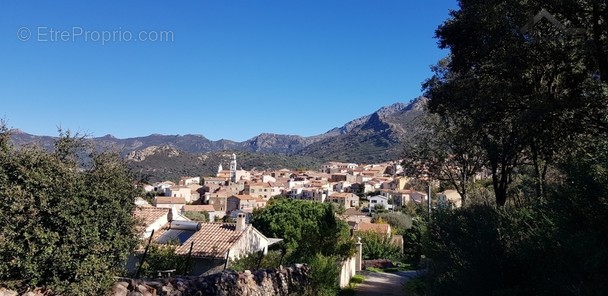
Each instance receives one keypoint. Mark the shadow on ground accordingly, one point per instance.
(385, 284)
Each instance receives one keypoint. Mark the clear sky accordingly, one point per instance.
(227, 69)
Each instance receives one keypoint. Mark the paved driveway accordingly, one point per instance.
(384, 284)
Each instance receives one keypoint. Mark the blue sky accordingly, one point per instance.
(229, 68)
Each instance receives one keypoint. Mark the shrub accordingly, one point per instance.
(397, 220)
(162, 257)
(324, 274)
(257, 261)
(413, 241)
(66, 220)
(357, 279)
(376, 246)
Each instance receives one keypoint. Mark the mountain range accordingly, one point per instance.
(372, 138)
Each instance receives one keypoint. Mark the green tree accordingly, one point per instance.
(307, 228)
(324, 274)
(521, 94)
(376, 246)
(439, 150)
(398, 221)
(66, 219)
(379, 209)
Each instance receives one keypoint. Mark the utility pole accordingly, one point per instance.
(429, 199)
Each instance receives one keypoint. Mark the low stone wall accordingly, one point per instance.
(281, 281)
(265, 282)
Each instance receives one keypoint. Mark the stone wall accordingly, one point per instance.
(281, 281)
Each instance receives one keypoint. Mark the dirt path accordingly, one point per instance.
(384, 284)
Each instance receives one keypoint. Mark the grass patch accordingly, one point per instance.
(399, 268)
(373, 269)
(357, 279)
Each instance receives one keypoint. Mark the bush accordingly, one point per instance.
(163, 257)
(257, 261)
(480, 250)
(357, 279)
(66, 220)
(324, 275)
(413, 242)
(307, 228)
(397, 220)
(376, 246)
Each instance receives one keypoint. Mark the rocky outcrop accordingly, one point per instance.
(140, 155)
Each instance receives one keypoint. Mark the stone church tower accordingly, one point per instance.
(233, 168)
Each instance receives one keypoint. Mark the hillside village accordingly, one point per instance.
(233, 191)
(232, 195)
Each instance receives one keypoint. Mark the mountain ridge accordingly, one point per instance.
(373, 137)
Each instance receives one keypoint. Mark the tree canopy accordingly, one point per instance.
(526, 83)
(66, 216)
(307, 228)
(523, 90)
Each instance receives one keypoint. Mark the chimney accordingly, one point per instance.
(240, 222)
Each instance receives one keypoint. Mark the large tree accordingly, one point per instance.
(522, 89)
(66, 216)
(308, 228)
(439, 150)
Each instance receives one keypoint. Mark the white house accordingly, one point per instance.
(185, 181)
(212, 246)
(379, 200)
(175, 203)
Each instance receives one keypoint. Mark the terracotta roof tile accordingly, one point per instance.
(148, 215)
(213, 240)
(373, 227)
(342, 195)
(244, 197)
(353, 212)
(170, 200)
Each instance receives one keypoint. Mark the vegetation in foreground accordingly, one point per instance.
(312, 234)
(66, 220)
(527, 102)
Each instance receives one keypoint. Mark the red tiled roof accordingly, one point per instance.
(148, 215)
(342, 195)
(244, 197)
(213, 240)
(373, 227)
(170, 200)
(353, 212)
